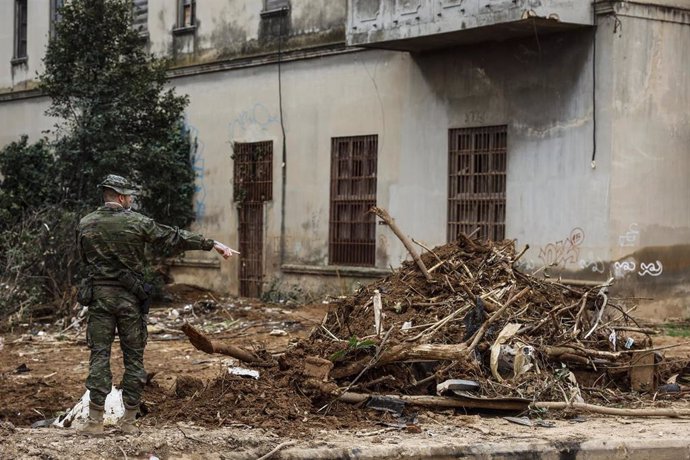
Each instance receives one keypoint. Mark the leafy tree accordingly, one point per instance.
(28, 179)
(114, 110)
(114, 114)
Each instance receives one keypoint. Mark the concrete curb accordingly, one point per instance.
(628, 449)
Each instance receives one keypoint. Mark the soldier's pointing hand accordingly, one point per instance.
(224, 250)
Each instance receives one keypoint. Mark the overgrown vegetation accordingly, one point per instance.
(677, 329)
(113, 114)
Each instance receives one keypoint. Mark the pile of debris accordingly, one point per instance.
(463, 320)
(461, 326)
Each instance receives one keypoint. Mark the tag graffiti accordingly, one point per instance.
(564, 251)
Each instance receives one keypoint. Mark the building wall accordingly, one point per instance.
(650, 191)
(230, 30)
(411, 102)
(22, 76)
(582, 219)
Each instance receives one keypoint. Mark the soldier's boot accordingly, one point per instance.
(94, 422)
(127, 421)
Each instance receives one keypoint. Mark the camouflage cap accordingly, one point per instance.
(119, 184)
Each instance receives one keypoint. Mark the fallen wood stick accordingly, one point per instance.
(585, 352)
(383, 214)
(480, 333)
(201, 342)
(443, 401)
(584, 407)
(434, 352)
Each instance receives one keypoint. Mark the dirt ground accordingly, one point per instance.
(42, 371)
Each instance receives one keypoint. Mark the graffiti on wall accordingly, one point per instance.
(630, 238)
(256, 117)
(196, 153)
(622, 268)
(625, 267)
(564, 251)
(595, 265)
(651, 269)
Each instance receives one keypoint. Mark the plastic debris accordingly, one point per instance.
(278, 332)
(457, 384)
(76, 416)
(242, 372)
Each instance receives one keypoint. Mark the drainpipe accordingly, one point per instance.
(283, 165)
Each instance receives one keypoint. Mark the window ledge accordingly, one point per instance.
(19, 61)
(335, 270)
(186, 30)
(275, 12)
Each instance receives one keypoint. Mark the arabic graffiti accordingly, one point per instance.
(620, 269)
(651, 269)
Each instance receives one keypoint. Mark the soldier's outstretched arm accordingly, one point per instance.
(173, 240)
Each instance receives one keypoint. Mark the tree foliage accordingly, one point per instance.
(29, 179)
(110, 97)
(114, 114)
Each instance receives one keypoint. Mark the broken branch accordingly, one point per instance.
(383, 214)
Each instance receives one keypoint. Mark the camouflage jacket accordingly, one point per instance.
(113, 239)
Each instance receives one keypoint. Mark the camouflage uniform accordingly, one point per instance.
(112, 239)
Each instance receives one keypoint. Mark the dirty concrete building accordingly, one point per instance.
(562, 124)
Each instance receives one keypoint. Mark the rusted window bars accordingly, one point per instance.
(477, 182)
(253, 185)
(352, 230)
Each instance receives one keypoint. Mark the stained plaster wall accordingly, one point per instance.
(230, 30)
(325, 98)
(15, 77)
(542, 91)
(650, 191)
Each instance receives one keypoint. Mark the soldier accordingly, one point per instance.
(111, 241)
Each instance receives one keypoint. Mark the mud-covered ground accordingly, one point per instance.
(196, 410)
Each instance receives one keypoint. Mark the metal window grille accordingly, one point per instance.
(251, 228)
(140, 15)
(477, 182)
(186, 13)
(20, 28)
(253, 171)
(352, 230)
(253, 185)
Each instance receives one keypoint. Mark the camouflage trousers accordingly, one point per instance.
(114, 308)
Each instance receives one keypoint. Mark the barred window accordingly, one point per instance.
(140, 16)
(253, 171)
(20, 29)
(186, 13)
(352, 229)
(477, 182)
